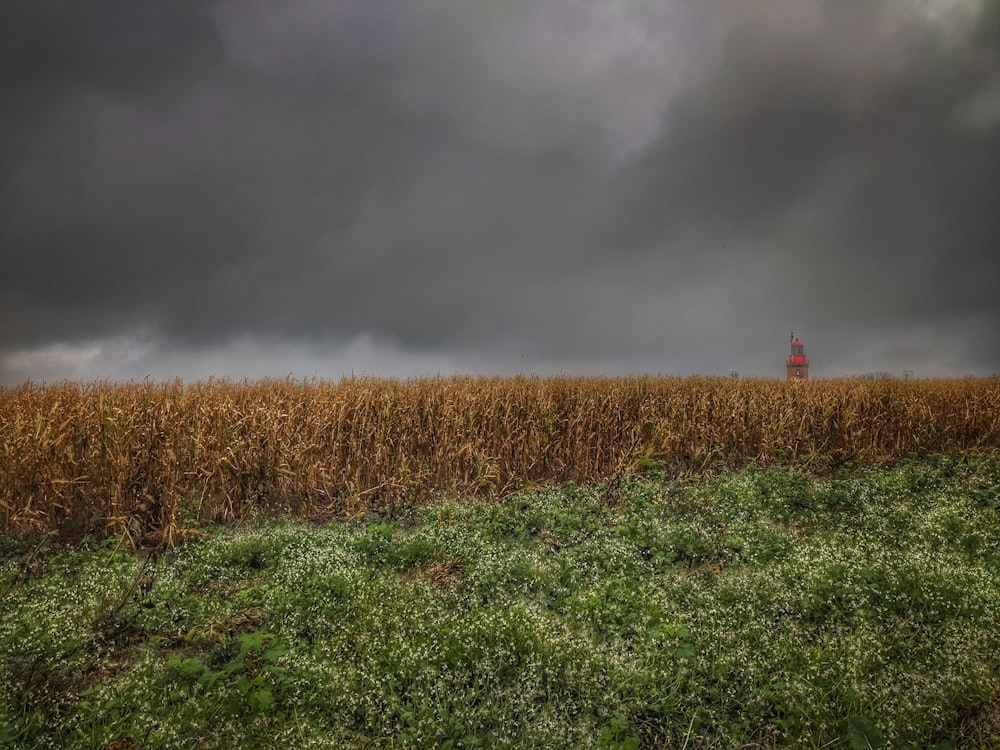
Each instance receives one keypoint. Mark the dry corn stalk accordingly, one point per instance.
(149, 460)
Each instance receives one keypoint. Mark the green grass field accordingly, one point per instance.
(763, 608)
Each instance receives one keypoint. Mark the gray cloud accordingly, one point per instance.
(235, 187)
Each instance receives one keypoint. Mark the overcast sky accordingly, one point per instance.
(245, 188)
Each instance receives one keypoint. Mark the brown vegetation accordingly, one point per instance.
(144, 461)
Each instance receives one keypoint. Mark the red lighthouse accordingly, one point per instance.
(797, 365)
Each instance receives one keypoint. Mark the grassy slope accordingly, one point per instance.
(761, 608)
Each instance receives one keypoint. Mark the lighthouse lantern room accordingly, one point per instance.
(797, 365)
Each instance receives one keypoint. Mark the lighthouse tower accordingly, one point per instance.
(797, 365)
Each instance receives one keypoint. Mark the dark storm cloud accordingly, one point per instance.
(555, 184)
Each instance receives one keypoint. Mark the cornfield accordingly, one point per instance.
(149, 461)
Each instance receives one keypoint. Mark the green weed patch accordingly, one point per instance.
(761, 608)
